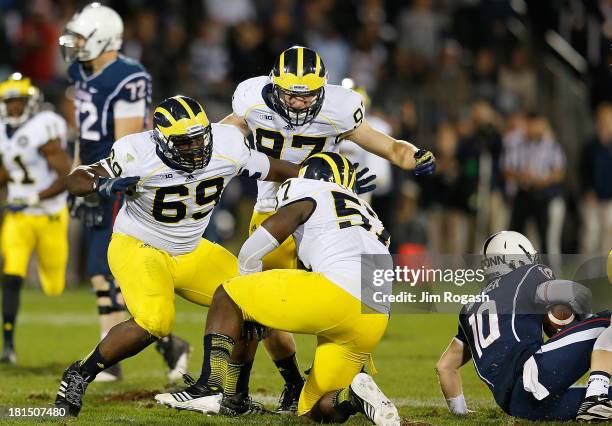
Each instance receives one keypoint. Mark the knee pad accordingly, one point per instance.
(604, 341)
(109, 296)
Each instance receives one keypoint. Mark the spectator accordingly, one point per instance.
(210, 63)
(249, 53)
(596, 173)
(449, 77)
(419, 31)
(480, 181)
(484, 76)
(534, 163)
(445, 231)
(518, 82)
(37, 41)
(368, 57)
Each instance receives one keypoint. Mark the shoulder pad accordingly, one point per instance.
(248, 94)
(343, 107)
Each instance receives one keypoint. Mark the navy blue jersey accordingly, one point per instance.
(505, 331)
(95, 97)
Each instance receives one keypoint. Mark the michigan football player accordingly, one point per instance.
(35, 165)
(173, 176)
(112, 97)
(333, 228)
(293, 113)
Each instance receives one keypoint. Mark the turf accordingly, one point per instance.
(52, 332)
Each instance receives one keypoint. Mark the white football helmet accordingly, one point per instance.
(92, 31)
(505, 251)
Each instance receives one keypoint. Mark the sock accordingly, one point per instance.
(289, 369)
(344, 404)
(11, 291)
(93, 364)
(598, 384)
(237, 379)
(217, 350)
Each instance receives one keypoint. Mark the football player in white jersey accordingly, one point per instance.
(333, 229)
(293, 113)
(35, 166)
(173, 176)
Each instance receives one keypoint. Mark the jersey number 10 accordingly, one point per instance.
(477, 320)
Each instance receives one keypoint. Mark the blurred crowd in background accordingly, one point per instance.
(513, 96)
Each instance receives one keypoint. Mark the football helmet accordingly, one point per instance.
(183, 133)
(329, 167)
(505, 251)
(93, 30)
(298, 71)
(19, 87)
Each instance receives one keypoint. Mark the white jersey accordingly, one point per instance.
(27, 167)
(170, 209)
(339, 231)
(341, 112)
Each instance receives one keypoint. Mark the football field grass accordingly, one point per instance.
(54, 332)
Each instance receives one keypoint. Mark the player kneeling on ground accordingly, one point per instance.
(173, 176)
(530, 379)
(333, 229)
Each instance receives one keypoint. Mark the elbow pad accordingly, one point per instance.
(260, 243)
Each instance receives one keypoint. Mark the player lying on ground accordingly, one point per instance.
(530, 379)
(173, 177)
(112, 97)
(35, 166)
(293, 113)
(333, 229)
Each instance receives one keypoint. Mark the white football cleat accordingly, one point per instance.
(375, 405)
(196, 397)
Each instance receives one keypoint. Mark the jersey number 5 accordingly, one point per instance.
(343, 208)
(179, 208)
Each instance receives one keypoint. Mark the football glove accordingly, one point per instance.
(361, 182)
(108, 187)
(253, 330)
(425, 162)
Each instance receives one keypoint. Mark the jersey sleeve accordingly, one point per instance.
(460, 336)
(346, 108)
(134, 96)
(53, 126)
(122, 159)
(537, 275)
(246, 95)
(235, 147)
(293, 190)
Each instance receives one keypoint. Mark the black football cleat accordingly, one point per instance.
(71, 391)
(288, 401)
(176, 353)
(240, 405)
(595, 409)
